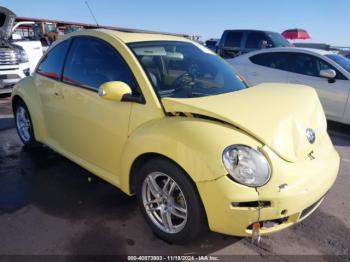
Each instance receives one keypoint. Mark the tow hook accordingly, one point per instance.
(256, 236)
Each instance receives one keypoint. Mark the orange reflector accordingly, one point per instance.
(256, 226)
(256, 233)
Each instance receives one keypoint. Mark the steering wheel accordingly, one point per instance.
(182, 80)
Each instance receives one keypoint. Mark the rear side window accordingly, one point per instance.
(233, 39)
(254, 40)
(92, 62)
(52, 64)
(272, 60)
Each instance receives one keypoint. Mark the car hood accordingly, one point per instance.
(7, 21)
(277, 117)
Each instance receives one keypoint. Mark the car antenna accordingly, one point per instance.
(92, 14)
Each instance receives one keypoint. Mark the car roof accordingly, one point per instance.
(132, 37)
(249, 30)
(292, 50)
(125, 37)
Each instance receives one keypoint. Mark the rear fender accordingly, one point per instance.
(26, 91)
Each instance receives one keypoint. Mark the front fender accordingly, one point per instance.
(26, 91)
(194, 144)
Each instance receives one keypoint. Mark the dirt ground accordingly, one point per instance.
(50, 206)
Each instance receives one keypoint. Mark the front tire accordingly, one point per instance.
(169, 202)
(24, 125)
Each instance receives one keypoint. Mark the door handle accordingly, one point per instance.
(58, 95)
(254, 73)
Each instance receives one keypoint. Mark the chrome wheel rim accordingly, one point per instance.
(23, 123)
(164, 202)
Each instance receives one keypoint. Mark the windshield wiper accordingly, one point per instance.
(195, 94)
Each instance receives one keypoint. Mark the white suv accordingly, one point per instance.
(14, 66)
(17, 58)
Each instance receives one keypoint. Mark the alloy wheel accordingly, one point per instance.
(23, 123)
(164, 202)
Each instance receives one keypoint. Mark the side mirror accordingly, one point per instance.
(114, 90)
(328, 73)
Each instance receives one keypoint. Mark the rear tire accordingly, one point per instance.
(169, 202)
(24, 125)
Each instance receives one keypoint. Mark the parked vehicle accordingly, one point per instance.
(327, 72)
(17, 58)
(236, 42)
(212, 44)
(166, 119)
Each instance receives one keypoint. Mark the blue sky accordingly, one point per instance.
(328, 21)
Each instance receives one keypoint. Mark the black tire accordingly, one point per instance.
(196, 223)
(30, 141)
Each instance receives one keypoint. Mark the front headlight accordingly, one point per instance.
(246, 165)
(21, 55)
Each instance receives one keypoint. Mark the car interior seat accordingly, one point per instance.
(152, 69)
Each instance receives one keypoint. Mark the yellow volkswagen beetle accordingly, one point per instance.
(164, 118)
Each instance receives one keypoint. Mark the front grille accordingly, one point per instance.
(8, 57)
(307, 210)
(9, 76)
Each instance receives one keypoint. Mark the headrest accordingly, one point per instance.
(147, 61)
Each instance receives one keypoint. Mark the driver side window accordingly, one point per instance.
(92, 62)
(323, 65)
(310, 65)
(255, 40)
(305, 64)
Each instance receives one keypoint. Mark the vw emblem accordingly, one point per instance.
(310, 135)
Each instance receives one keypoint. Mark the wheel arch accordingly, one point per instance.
(141, 160)
(15, 100)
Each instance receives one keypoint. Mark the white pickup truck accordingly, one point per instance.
(18, 58)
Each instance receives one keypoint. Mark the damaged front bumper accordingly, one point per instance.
(293, 193)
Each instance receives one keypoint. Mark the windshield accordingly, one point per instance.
(278, 40)
(185, 70)
(341, 60)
